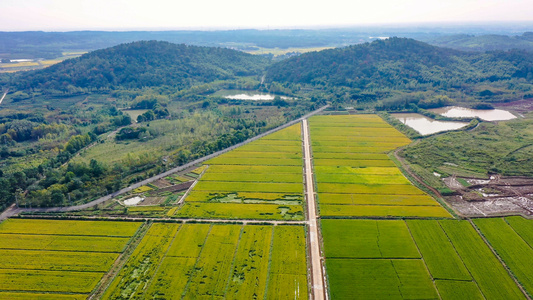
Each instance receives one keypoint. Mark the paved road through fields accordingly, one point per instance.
(317, 274)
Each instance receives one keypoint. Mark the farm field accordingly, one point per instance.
(64, 258)
(216, 261)
(260, 180)
(354, 176)
(514, 250)
(367, 259)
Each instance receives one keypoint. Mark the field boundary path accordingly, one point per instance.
(317, 274)
(13, 210)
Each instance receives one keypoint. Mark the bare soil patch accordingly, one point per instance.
(494, 197)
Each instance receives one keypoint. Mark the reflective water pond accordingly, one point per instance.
(246, 95)
(484, 114)
(425, 125)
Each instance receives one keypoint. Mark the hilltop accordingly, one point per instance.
(143, 64)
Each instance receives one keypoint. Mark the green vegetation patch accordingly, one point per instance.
(327, 210)
(439, 254)
(368, 239)
(485, 268)
(514, 251)
(379, 279)
(377, 199)
(458, 290)
(523, 227)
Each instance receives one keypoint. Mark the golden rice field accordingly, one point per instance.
(261, 180)
(206, 261)
(355, 177)
(66, 258)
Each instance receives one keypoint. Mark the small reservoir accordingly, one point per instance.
(425, 125)
(484, 114)
(247, 95)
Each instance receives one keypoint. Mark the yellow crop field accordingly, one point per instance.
(240, 211)
(67, 227)
(49, 281)
(293, 133)
(385, 189)
(62, 243)
(56, 260)
(142, 189)
(40, 296)
(255, 169)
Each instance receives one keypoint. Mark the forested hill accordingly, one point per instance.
(401, 63)
(143, 64)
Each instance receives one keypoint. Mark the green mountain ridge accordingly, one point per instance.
(143, 64)
(402, 64)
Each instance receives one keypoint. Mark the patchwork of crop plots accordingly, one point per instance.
(422, 259)
(354, 175)
(43, 259)
(197, 261)
(260, 180)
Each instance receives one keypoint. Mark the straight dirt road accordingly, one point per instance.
(317, 274)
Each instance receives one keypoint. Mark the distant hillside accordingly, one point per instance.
(492, 42)
(401, 64)
(143, 64)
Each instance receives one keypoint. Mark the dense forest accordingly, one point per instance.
(142, 64)
(392, 68)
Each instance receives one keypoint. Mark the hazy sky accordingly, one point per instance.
(204, 14)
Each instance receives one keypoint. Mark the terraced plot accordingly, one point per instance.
(260, 180)
(65, 258)
(354, 175)
(200, 261)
